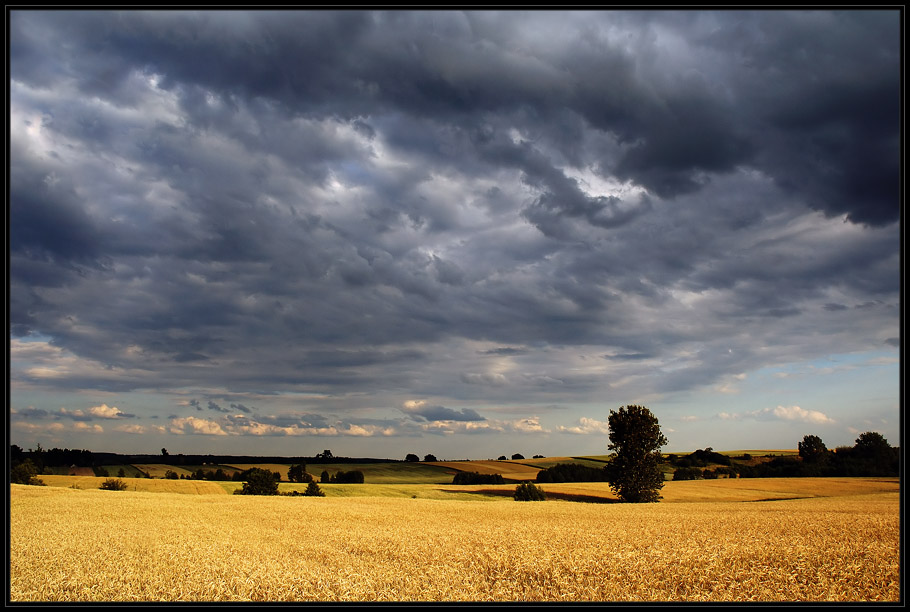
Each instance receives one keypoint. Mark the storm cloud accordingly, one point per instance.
(335, 212)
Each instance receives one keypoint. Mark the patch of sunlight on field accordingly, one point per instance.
(512, 470)
(758, 489)
(281, 468)
(158, 470)
(92, 545)
(148, 485)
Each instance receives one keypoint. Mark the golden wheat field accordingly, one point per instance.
(92, 545)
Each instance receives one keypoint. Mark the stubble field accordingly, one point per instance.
(92, 545)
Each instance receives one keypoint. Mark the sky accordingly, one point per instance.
(460, 233)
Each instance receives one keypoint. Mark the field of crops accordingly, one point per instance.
(90, 545)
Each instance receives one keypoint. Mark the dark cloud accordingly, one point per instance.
(217, 408)
(396, 204)
(422, 412)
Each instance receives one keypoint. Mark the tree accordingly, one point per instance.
(517, 456)
(25, 472)
(502, 458)
(528, 491)
(170, 475)
(429, 458)
(260, 482)
(298, 473)
(313, 490)
(812, 449)
(633, 471)
(164, 452)
(871, 445)
(342, 477)
(324, 477)
(412, 457)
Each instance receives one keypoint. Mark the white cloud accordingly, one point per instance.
(192, 425)
(795, 413)
(106, 412)
(587, 426)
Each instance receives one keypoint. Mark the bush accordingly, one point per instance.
(113, 484)
(528, 491)
(170, 475)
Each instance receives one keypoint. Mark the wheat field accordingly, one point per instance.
(93, 545)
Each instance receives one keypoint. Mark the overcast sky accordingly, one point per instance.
(461, 233)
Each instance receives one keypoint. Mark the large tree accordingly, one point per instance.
(635, 439)
(812, 449)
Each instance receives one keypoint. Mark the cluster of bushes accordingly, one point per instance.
(700, 458)
(341, 477)
(694, 473)
(572, 472)
(200, 474)
(312, 490)
(472, 478)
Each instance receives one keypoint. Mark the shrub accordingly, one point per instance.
(113, 484)
(170, 475)
(528, 491)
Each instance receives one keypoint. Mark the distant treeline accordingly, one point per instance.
(56, 457)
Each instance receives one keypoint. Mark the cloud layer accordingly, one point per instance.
(434, 217)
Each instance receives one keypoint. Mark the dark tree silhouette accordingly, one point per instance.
(633, 471)
(812, 449)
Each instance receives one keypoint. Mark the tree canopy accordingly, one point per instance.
(633, 471)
